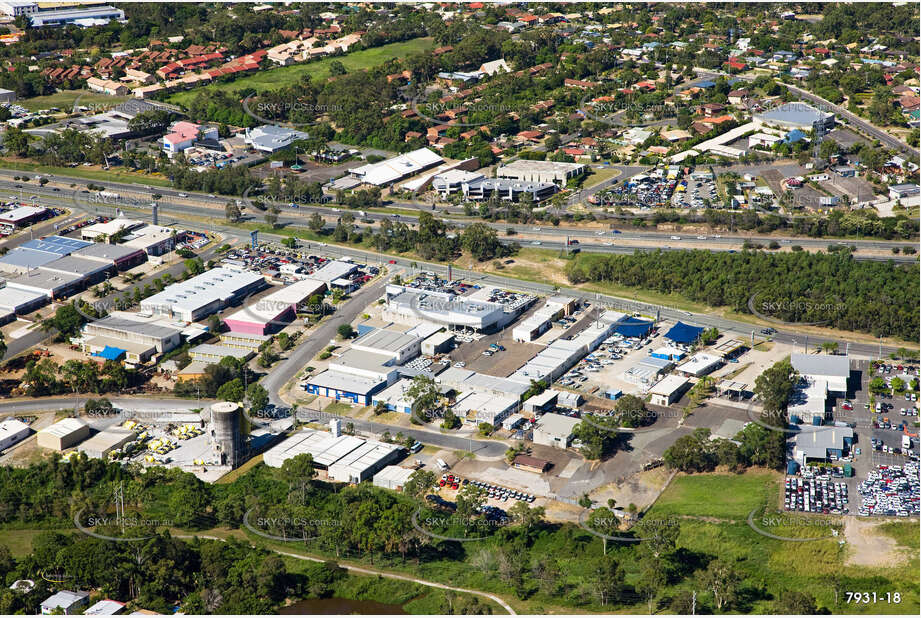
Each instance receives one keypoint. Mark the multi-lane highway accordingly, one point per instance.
(597, 238)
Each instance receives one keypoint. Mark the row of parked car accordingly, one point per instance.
(814, 495)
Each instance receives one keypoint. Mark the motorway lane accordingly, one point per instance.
(213, 208)
(649, 309)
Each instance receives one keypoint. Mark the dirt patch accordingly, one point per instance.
(868, 546)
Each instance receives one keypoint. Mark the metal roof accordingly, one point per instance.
(21, 257)
(345, 382)
(821, 365)
(383, 339)
(105, 251)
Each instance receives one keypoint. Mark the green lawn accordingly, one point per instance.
(19, 542)
(88, 174)
(64, 100)
(285, 76)
(726, 496)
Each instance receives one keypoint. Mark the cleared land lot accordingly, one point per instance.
(274, 79)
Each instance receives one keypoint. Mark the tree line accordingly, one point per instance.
(832, 289)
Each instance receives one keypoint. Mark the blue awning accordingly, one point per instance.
(110, 353)
(683, 333)
(363, 329)
(632, 327)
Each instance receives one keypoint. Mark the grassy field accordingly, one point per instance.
(65, 99)
(285, 76)
(599, 175)
(725, 496)
(19, 542)
(816, 567)
(84, 172)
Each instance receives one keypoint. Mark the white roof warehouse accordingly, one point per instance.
(201, 296)
(390, 171)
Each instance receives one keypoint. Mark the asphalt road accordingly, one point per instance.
(549, 236)
(301, 355)
(173, 207)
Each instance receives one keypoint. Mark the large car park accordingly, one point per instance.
(891, 491)
(816, 491)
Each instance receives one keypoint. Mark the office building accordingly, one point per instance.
(554, 172)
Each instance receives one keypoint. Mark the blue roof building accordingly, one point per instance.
(58, 245)
(683, 333)
(794, 136)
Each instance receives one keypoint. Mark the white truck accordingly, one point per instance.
(108, 195)
(441, 464)
(906, 442)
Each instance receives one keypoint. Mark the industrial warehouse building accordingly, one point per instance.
(244, 341)
(668, 390)
(213, 353)
(401, 347)
(270, 138)
(385, 173)
(441, 342)
(64, 434)
(274, 311)
(540, 321)
(394, 397)
(412, 306)
(552, 172)
(90, 271)
(53, 285)
(825, 375)
(20, 302)
(154, 240)
(118, 256)
(555, 430)
(334, 270)
(104, 442)
(647, 370)
(700, 364)
(109, 228)
(461, 380)
(23, 216)
(348, 459)
(811, 446)
(12, 431)
(200, 296)
(140, 339)
(480, 407)
(505, 189)
(393, 478)
(21, 260)
(344, 386)
(361, 464)
(38, 252)
(371, 365)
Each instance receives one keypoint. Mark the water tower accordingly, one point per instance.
(226, 439)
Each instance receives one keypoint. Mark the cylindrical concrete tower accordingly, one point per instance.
(226, 440)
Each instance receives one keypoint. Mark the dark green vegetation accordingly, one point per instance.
(758, 444)
(834, 290)
(546, 567)
(838, 223)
